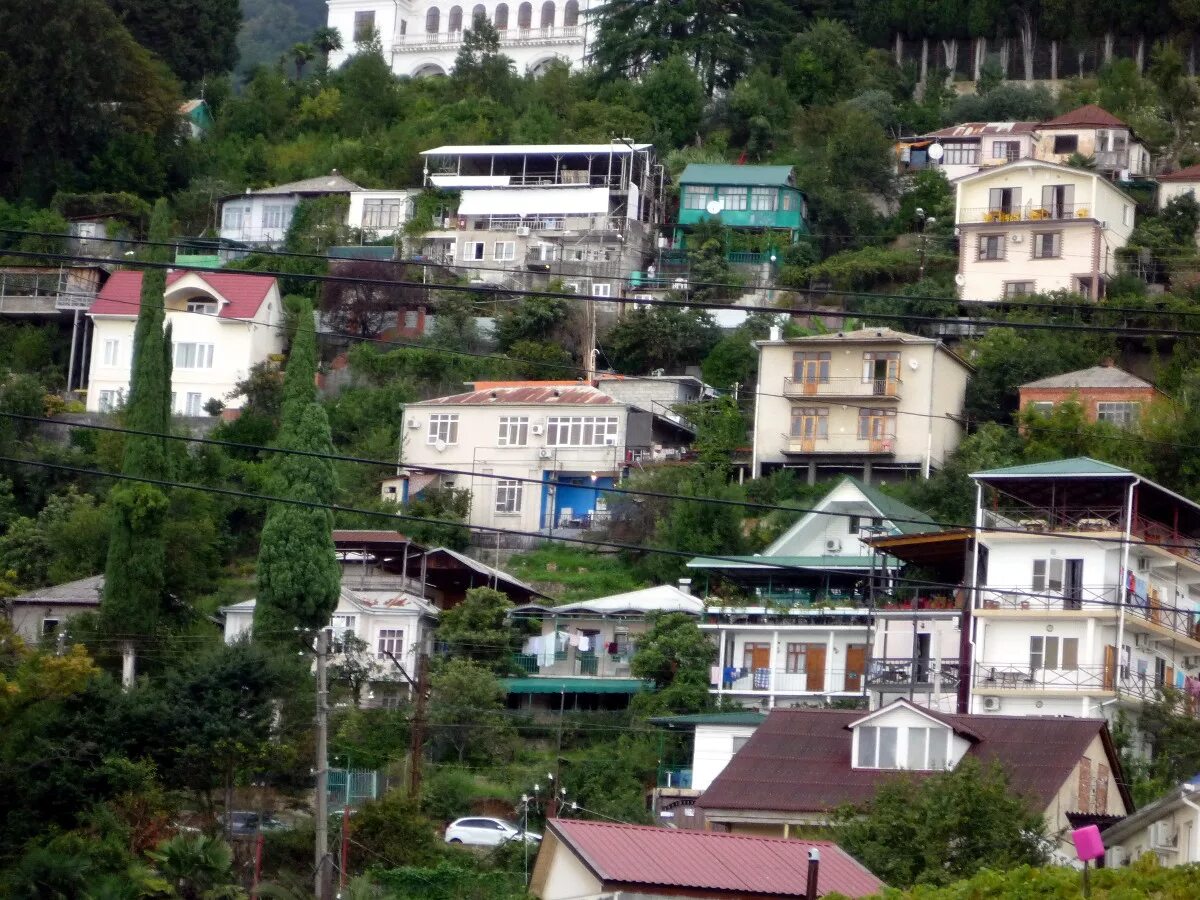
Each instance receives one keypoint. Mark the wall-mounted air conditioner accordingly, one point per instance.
(537, 429)
(991, 704)
(833, 545)
(523, 231)
(414, 423)
(545, 453)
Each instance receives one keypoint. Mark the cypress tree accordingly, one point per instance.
(298, 574)
(134, 578)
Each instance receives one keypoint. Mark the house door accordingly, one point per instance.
(1073, 584)
(756, 656)
(856, 666)
(882, 372)
(1059, 200)
(814, 668)
(807, 426)
(1004, 200)
(921, 657)
(1110, 667)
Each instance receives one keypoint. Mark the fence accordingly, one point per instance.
(350, 787)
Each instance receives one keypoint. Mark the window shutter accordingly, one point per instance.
(1085, 785)
(1068, 195)
(1016, 198)
(995, 198)
(1047, 196)
(1101, 789)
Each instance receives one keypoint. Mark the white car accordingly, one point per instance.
(478, 831)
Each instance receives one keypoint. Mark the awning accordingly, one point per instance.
(581, 685)
(535, 201)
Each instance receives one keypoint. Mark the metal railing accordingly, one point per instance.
(1030, 212)
(994, 597)
(841, 386)
(784, 681)
(843, 443)
(675, 776)
(904, 672)
(508, 37)
(554, 223)
(570, 663)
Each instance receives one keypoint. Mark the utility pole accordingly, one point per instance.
(324, 880)
(128, 665)
(417, 735)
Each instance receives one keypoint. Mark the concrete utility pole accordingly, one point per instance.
(324, 873)
(417, 735)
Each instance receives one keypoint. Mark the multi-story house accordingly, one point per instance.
(1032, 227)
(1105, 392)
(872, 400)
(584, 213)
(223, 323)
(1093, 132)
(1181, 182)
(967, 148)
(1168, 828)
(379, 214)
(262, 217)
(560, 444)
(421, 38)
(762, 200)
(1088, 595)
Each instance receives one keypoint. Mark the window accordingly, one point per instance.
(1018, 288)
(508, 496)
(1125, 214)
(853, 523)
(391, 642)
(1047, 244)
(1048, 574)
(203, 307)
(548, 14)
(876, 424)
(505, 250)
(514, 431)
(364, 25)
(1048, 652)
(382, 213)
(193, 356)
(1042, 407)
(1123, 415)
(1058, 201)
(501, 21)
(732, 197)
(811, 367)
(882, 747)
(472, 250)
(601, 289)
(433, 20)
(1066, 143)
(231, 216)
(926, 748)
(274, 216)
(789, 201)
(755, 652)
(571, 14)
(525, 15)
(193, 405)
(877, 747)
(1004, 200)
(411, 319)
(443, 427)
(581, 431)
(960, 154)
(49, 626)
(454, 20)
(112, 353)
(1083, 286)
(810, 422)
(343, 625)
(109, 401)
(797, 658)
(479, 12)
(696, 197)
(991, 246)
(867, 737)
(763, 199)
(1006, 150)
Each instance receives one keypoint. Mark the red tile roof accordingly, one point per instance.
(628, 857)
(548, 393)
(1191, 173)
(1087, 116)
(122, 293)
(799, 759)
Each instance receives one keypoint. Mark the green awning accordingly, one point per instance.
(582, 685)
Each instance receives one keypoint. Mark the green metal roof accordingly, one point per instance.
(1080, 465)
(580, 685)
(781, 562)
(894, 509)
(366, 251)
(741, 717)
(706, 173)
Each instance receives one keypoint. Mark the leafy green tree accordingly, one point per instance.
(480, 629)
(466, 706)
(437, 505)
(480, 67)
(945, 827)
(673, 98)
(393, 829)
(198, 866)
(661, 337)
(676, 655)
(301, 55)
(720, 431)
(824, 64)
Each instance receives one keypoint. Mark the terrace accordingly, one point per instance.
(995, 215)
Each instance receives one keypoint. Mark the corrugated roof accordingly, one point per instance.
(576, 395)
(634, 856)
(742, 717)
(1085, 116)
(582, 684)
(486, 570)
(333, 183)
(85, 591)
(122, 293)
(357, 536)
(781, 562)
(1191, 173)
(1079, 465)
(907, 519)
(980, 129)
(1095, 377)
(709, 173)
(799, 759)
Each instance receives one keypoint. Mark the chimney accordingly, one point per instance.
(814, 867)
(685, 585)
(776, 333)
(1107, 362)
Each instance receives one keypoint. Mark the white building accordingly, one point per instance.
(222, 323)
(1088, 599)
(1031, 227)
(967, 148)
(422, 38)
(584, 213)
(869, 401)
(379, 214)
(263, 216)
(562, 444)
(1169, 828)
(1177, 184)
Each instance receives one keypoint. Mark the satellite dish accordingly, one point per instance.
(714, 207)
(936, 152)
(960, 279)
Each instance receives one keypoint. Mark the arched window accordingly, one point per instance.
(525, 15)
(548, 14)
(454, 22)
(502, 17)
(479, 12)
(433, 20)
(571, 14)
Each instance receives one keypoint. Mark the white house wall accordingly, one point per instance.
(254, 228)
(713, 748)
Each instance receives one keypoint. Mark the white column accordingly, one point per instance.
(720, 661)
(771, 671)
(829, 669)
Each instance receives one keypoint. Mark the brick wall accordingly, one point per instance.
(1088, 398)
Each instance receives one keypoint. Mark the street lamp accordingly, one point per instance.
(923, 222)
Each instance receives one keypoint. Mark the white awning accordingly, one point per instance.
(535, 201)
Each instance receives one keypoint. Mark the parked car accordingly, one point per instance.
(479, 831)
(244, 823)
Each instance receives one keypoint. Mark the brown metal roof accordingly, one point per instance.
(350, 539)
(799, 759)
(1086, 116)
(629, 857)
(550, 395)
(1191, 173)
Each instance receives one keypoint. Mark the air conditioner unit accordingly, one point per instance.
(610, 440)
(439, 445)
(414, 423)
(833, 545)
(991, 704)
(1141, 641)
(545, 453)
(523, 231)
(1016, 237)
(537, 429)
(1164, 836)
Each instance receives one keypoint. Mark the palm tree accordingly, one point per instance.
(327, 40)
(302, 55)
(196, 866)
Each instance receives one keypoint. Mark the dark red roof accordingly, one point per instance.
(122, 293)
(1191, 173)
(798, 760)
(628, 857)
(354, 539)
(1087, 116)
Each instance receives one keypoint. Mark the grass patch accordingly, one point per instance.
(568, 574)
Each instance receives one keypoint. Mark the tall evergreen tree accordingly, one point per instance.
(134, 581)
(298, 576)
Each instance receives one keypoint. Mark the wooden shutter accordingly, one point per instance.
(995, 198)
(1085, 785)
(1101, 789)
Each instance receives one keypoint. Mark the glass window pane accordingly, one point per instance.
(866, 747)
(917, 740)
(937, 747)
(887, 747)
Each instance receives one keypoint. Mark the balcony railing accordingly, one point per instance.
(851, 386)
(570, 663)
(841, 443)
(902, 673)
(1181, 621)
(783, 681)
(509, 37)
(675, 777)
(1028, 213)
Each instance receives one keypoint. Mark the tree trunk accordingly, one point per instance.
(1108, 47)
(1004, 56)
(1140, 53)
(950, 50)
(1054, 60)
(924, 60)
(1028, 43)
(899, 49)
(980, 55)
(1080, 55)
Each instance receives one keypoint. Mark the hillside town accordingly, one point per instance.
(599, 450)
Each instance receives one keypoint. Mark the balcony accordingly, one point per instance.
(571, 663)
(509, 37)
(847, 444)
(675, 777)
(1028, 213)
(850, 386)
(538, 224)
(903, 674)
(767, 681)
(1112, 160)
